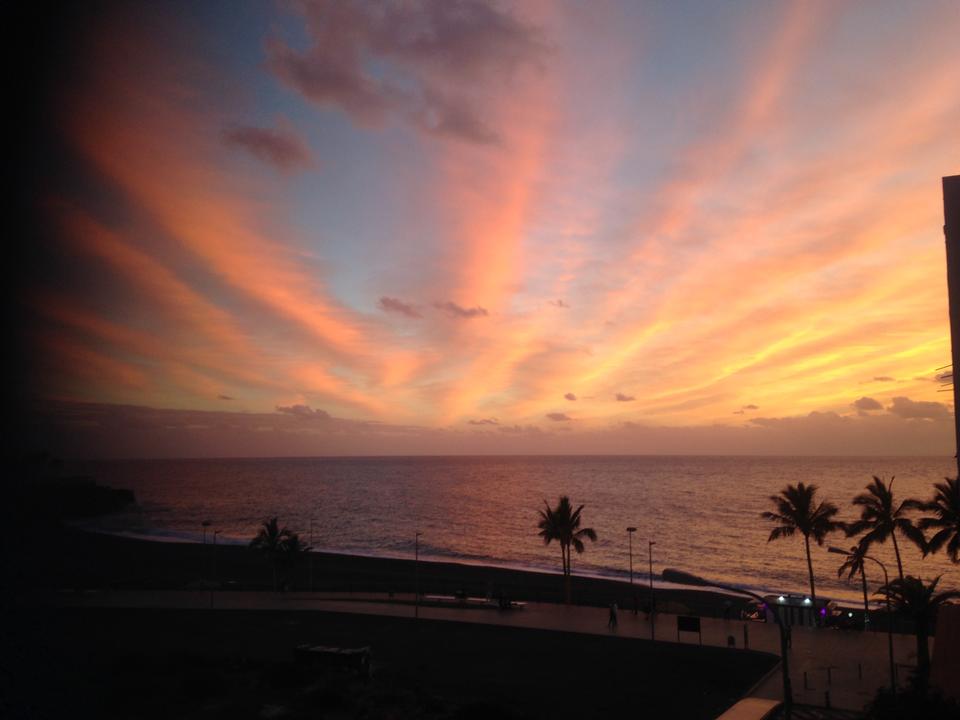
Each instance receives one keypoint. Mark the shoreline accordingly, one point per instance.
(78, 559)
(641, 581)
(194, 539)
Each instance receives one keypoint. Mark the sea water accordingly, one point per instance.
(702, 513)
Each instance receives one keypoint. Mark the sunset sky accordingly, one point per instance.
(437, 227)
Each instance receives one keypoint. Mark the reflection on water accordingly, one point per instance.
(703, 512)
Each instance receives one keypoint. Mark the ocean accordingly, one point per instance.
(702, 513)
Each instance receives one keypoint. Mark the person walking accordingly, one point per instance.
(612, 621)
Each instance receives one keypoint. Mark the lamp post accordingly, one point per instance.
(204, 524)
(688, 579)
(653, 601)
(630, 532)
(416, 575)
(215, 533)
(886, 581)
(310, 558)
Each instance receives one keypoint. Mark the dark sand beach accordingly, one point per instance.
(75, 559)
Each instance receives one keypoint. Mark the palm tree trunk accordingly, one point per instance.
(896, 549)
(276, 584)
(923, 653)
(813, 589)
(563, 567)
(566, 576)
(866, 604)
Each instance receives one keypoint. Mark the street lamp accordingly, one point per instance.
(204, 524)
(215, 533)
(886, 581)
(630, 532)
(653, 602)
(688, 579)
(310, 557)
(416, 575)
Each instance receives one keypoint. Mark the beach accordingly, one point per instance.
(71, 559)
(110, 662)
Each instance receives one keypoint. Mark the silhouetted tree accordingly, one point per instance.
(562, 524)
(881, 518)
(912, 702)
(918, 601)
(799, 511)
(853, 565)
(945, 507)
(282, 547)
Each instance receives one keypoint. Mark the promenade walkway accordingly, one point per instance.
(842, 668)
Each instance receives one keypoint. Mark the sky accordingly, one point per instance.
(470, 227)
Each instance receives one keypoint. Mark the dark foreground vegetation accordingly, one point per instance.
(239, 664)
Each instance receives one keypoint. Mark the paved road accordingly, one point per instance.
(850, 665)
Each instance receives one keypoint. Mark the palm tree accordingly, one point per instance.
(911, 597)
(945, 507)
(882, 518)
(799, 511)
(853, 565)
(562, 524)
(280, 546)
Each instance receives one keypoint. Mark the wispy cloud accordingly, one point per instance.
(280, 148)
(763, 254)
(454, 310)
(443, 50)
(392, 305)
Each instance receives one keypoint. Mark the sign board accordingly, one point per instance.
(688, 623)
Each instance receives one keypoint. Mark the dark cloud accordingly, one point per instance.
(426, 53)
(520, 430)
(738, 412)
(820, 418)
(93, 430)
(884, 378)
(224, 397)
(282, 149)
(906, 408)
(484, 421)
(303, 411)
(445, 116)
(624, 398)
(865, 404)
(458, 311)
(559, 417)
(750, 407)
(389, 304)
(570, 396)
(558, 303)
